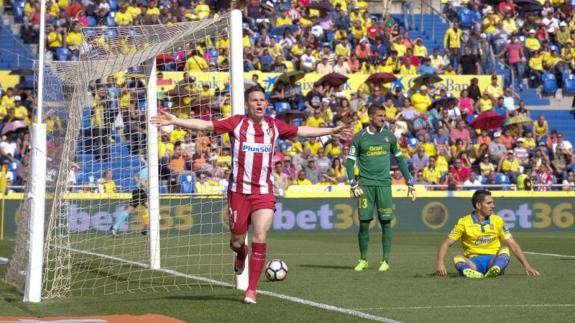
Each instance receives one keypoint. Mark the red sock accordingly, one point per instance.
(257, 260)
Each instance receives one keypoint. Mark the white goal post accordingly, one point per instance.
(157, 231)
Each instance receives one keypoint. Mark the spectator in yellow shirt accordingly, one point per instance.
(123, 17)
(55, 39)
(421, 100)
(419, 50)
(195, 62)
(313, 145)
(8, 98)
(536, 67)
(152, 8)
(452, 40)
(494, 90)
(202, 10)
(315, 119)
(407, 69)
(20, 111)
(431, 174)
(532, 43)
(284, 19)
(301, 179)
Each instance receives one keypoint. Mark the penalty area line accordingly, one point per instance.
(293, 299)
(548, 254)
(432, 307)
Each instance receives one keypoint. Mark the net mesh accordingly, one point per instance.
(97, 236)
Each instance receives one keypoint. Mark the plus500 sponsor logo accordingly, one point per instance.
(257, 148)
(539, 216)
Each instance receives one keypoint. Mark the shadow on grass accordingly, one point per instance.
(325, 267)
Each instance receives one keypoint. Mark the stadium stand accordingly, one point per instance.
(343, 36)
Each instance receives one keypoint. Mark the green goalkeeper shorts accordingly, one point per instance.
(378, 197)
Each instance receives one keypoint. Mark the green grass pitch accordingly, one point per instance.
(320, 270)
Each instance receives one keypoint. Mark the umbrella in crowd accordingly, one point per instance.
(425, 79)
(487, 120)
(286, 78)
(447, 102)
(332, 79)
(13, 126)
(377, 78)
(164, 59)
(518, 120)
(529, 5)
(279, 31)
(322, 6)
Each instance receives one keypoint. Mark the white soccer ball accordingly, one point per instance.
(276, 270)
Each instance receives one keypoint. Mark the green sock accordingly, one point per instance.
(363, 238)
(386, 234)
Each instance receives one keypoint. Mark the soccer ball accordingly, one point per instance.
(276, 270)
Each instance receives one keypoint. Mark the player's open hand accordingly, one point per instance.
(441, 270)
(343, 132)
(530, 271)
(163, 119)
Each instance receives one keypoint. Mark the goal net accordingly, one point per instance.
(132, 208)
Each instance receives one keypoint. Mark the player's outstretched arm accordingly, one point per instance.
(339, 131)
(518, 252)
(166, 119)
(441, 270)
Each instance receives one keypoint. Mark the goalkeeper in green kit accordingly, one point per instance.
(371, 149)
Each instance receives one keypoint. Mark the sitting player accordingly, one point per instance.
(481, 233)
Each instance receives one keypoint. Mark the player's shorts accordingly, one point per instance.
(375, 198)
(139, 196)
(482, 262)
(241, 207)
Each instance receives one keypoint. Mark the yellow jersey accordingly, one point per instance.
(532, 43)
(420, 102)
(480, 238)
(313, 147)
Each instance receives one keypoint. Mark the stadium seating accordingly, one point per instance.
(569, 83)
(549, 83)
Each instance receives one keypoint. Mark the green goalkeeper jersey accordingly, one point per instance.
(371, 152)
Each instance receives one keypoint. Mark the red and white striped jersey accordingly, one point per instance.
(253, 147)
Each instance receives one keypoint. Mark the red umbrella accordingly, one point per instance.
(381, 78)
(487, 120)
(164, 59)
(332, 79)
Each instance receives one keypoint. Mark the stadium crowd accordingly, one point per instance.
(446, 146)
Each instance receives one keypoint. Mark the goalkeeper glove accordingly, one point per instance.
(411, 189)
(356, 191)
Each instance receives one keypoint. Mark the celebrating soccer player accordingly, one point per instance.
(481, 233)
(371, 149)
(250, 193)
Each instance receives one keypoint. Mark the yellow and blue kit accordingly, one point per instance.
(481, 241)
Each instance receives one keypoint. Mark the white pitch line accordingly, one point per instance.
(431, 307)
(548, 254)
(298, 300)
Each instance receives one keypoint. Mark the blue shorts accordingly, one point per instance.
(482, 262)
